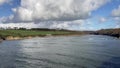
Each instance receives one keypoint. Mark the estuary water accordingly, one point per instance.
(88, 51)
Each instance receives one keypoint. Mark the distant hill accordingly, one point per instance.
(109, 32)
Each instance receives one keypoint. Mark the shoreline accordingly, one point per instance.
(26, 34)
(10, 38)
(116, 36)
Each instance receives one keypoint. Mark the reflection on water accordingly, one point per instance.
(88, 51)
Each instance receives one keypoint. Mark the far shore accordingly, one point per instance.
(28, 34)
(18, 34)
(9, 38)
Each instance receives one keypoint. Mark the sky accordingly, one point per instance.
(64, 14)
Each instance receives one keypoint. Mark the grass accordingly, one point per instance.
(25, 33)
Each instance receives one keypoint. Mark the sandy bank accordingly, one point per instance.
(29, 37)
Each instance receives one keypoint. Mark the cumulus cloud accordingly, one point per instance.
(4, 1)
(116, 12)
(67, 24)
(102, 19)
(116, 16)
(54, 10)
(48, 24)
(64, 14)
(19, 25)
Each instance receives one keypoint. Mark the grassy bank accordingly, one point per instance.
(9, 34)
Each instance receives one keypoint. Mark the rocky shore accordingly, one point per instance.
(109, 32)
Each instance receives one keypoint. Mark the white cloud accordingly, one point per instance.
(19, 25)
(117, 26)
(116, 16)
(67, 24)
(4, 1)
(54, 10)
(64, 14)
(116, 12)
(50, 24)
(102, 19)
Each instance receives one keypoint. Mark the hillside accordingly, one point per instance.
(109, 32)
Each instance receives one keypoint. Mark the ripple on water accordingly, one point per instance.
(89, 51)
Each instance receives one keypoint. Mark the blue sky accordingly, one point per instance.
(105, 11)
(94, 22)
(6, 8)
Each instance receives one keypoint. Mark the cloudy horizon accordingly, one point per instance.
(64, 14)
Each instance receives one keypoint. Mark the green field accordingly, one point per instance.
(25, 33)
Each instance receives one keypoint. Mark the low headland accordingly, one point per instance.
(109, 32)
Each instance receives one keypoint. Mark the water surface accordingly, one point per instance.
(89, 51)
